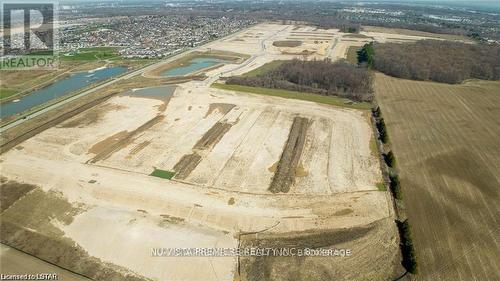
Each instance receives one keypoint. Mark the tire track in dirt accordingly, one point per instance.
(212, 136)
(286, 169)
(187, 164)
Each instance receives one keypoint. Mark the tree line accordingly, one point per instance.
(409, 260)
(441, 61)
(316, 76)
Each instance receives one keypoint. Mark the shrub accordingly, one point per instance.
(376, 112)
(366, 54)
(382, 131)
(390, 159)
(395, 186)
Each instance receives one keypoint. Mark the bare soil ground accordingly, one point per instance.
(225, 147)
(28, 225)
(106, 148)
(445, 138)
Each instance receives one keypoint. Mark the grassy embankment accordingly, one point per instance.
(330, 100)
(90, 54)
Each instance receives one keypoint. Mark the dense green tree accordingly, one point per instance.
(407, 249)
(390, 159)
(366, 54)
(382, 130)
(317, 76)
(395, 186)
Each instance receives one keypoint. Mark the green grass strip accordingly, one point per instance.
(381, 186)
(330, 100)
(162, 174)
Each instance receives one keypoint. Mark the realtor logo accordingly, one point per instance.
(29, 35)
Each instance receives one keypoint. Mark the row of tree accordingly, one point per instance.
(322, 77)
(406, 244)
(441, 61)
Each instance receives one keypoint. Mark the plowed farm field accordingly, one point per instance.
(446, 139)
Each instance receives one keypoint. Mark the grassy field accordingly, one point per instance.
(263, 69)
(92, 54)
(445, 138)
(330, 100)
(352, 54)
(162, 174)
(7, 92)
(381, 186)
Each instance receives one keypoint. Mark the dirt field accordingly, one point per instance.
(400, 31)
(445, 138)
(92, 174)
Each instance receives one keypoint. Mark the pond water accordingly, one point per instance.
(193, 66)
(60, 88)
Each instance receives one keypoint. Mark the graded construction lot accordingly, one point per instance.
(445, 138)
(192, 166)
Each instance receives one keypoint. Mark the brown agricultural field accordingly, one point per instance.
(446, 140)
